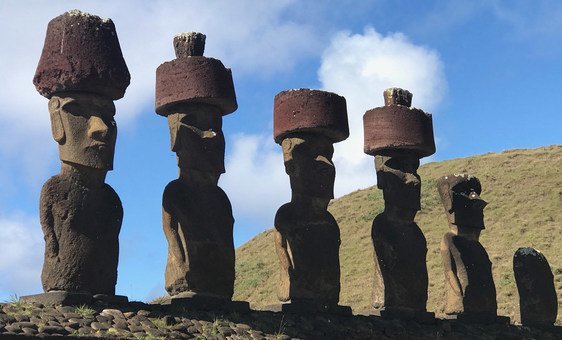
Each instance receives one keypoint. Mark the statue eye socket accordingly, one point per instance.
(109, 121)
(74, 108)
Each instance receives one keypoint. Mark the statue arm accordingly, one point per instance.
(449, 265)
(282, 247)
(384, 251)
(47, 223)
(171, 226)
(283, 252)
(285, 266)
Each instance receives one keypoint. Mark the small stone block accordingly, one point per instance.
(479, 318)
(189, 44)
(112, 299)
(422, 317)
(307, 308)
(61, 298)
(208, 303)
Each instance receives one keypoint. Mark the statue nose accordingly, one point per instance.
(97, 128)
(476, 200)
(412, 179)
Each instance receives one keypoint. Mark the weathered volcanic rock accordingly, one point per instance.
(468, 271)
(310, 111)
(81, 226)
(456, 190)
(307, 237)
(398, 127)
(194, 92)
(401, 278)
(189, 44)
(192, 78)
(82, 71)
(535, 283)
(81, 53)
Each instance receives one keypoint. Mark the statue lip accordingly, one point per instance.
(98, 145)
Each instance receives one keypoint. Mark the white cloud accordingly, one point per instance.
(255, 179)
(359, 67)
(22, 255)
(249, 36)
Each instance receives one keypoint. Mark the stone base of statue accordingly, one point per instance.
(419, 316)
(308, 308)
(481, 318)
(64, 298)
(194, 301)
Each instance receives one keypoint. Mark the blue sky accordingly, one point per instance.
(489, 71)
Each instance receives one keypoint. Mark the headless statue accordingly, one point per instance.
(538, 303)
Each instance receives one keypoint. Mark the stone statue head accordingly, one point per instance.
(401, 185)
(84, 127)
(308, 162)
(460, 195)
(197, 138)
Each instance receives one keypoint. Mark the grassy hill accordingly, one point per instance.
(524, 191)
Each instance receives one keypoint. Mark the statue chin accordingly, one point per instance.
(90, 160)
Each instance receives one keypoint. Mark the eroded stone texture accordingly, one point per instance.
(81, 53)
(398, 136)
(397, 127)
(193, 78)
(189, 44)
(194, 92)
(535, 283)
(468, 270)
(307, 237)
(81, 70)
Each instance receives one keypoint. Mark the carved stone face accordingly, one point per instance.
(84, 127)
(466, 207)
(308, 162)
(197, 139)
(399, 181)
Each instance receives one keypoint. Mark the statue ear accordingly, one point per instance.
(173, 123)
(56, 121)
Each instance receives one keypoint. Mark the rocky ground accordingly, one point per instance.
(136, 320)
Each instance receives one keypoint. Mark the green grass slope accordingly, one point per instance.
(524, 191)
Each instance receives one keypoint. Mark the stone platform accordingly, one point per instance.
(63, 298)
(192, 301)
(138, 320)
(308, 308)
(422, 317)
(479, 318)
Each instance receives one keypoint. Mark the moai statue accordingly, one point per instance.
(398, 136)
(194, 92)
(81, 72)
(535, 283)
(307, 237)
(471, 294)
